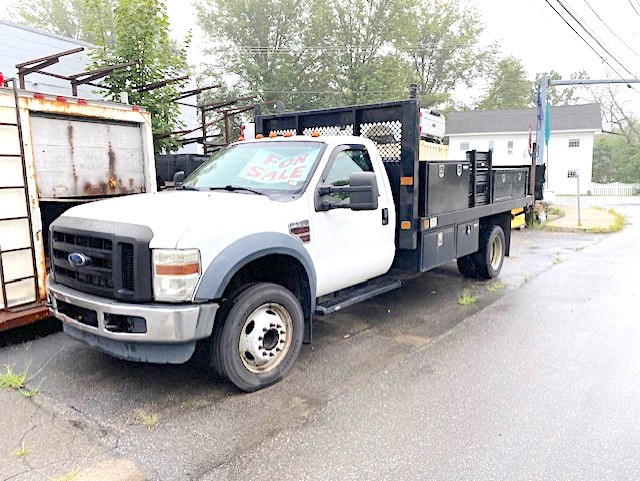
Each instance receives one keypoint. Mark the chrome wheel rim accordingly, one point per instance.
(496, 253)
(265, 338)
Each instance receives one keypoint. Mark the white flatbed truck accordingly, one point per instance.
(306, 219)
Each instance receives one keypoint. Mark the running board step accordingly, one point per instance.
(353, 295)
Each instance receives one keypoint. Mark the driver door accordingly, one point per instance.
(349, 246)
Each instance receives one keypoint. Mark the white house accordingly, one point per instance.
(19, 43)
(506, 133)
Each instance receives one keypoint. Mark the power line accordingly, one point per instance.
(610, 29)
(582, 24)
(634, 7)
(604, 60)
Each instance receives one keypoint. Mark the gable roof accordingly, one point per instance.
(565, 117)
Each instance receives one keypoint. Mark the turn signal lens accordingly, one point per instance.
(175, 274)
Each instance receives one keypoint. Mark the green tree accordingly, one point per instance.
(509, 87)
(262, 44)
(356, 36)
(88, 20)
(615, 159)
(141, 35)
(441, 41)
(558, 95)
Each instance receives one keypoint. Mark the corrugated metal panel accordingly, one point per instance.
(81, 158)
(431, 151)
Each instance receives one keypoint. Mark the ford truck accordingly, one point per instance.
(316, 213)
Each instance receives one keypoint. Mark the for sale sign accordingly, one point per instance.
(268, 167)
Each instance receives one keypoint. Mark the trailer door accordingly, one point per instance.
(77, 157)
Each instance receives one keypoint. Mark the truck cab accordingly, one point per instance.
(256, 241)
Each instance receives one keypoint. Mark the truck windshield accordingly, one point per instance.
(268, 166)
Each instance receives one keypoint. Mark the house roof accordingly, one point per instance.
(566, 117)
(46, 34)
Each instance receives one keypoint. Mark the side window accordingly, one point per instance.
(346, 163)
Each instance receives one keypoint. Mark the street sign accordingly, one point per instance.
(572, 174)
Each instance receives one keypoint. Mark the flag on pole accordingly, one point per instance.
(547, 124)
(530, 141)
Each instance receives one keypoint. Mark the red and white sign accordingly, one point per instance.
(268, 167)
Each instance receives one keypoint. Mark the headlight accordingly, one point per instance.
(175, 274)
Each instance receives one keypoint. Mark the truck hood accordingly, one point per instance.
(171, 214)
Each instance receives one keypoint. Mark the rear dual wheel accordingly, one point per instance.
(257, 336)
(487, 262)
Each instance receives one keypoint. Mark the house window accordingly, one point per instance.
(510, 147)
(574, 142)
(491, 145)
(464, 145)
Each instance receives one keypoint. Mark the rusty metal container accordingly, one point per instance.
(72, 151)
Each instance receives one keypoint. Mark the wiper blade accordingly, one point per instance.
(234, 188)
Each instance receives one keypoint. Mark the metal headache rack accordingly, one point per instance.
(420, 186)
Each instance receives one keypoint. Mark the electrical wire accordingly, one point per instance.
(604, 60)
(582, 24)
(610, 29)
(634, 7)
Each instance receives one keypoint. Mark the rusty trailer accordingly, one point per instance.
(57, 152)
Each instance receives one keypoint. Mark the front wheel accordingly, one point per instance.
(257, 336)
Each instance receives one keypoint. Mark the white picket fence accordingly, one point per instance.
(614, 188)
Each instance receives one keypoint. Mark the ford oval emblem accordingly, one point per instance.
(78, 259)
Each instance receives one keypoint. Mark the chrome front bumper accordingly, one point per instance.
(171, 331)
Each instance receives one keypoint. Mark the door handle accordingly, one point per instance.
(385, 216)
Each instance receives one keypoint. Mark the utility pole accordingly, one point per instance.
(541, 102)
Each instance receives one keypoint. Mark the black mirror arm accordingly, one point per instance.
(347, 189)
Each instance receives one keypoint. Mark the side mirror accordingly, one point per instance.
(364, 195)
(362, 192)
(178, 179)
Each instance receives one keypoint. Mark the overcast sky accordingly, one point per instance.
(527, 29)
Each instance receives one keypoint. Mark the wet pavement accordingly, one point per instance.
(534, 381)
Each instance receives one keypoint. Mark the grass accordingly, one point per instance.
(526, 278)
(555, 211)
(495, 286)
(149, 420)
(616, 226)
(28, 393)
(11, 379)
(21, 452)
(558, 259)
(467, 298)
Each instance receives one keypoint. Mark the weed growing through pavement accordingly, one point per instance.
(495, 286)
(525, 278)
(466, 298)
(28, 393)
(149, 420)
(21, 451)
(557, 259)
(11, 379)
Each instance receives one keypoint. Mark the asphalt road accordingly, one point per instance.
(538, 380)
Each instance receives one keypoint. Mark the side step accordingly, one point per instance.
(352, 295)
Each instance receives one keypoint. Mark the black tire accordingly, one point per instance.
(232, 326)
(490, 256)
(467, 266)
